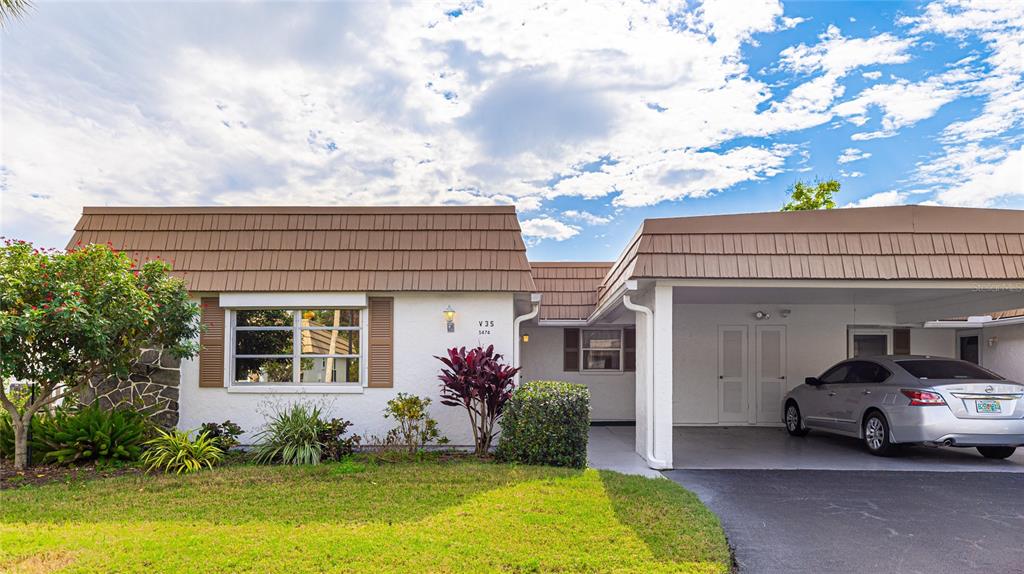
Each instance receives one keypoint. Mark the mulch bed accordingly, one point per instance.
(43, 474)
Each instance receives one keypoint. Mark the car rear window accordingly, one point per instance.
(932, 369)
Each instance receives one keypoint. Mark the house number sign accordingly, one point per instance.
(485, 327)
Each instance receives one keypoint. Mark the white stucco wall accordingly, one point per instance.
(419, 335)
(611, 395)
(1006, 355)
(935, 342)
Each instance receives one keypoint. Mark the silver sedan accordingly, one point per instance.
(891, 400)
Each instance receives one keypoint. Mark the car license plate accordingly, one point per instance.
(987, 407)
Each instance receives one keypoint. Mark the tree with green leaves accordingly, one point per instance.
(68, 317)
(808, 197)
(12, 9)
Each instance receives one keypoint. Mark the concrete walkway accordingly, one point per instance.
(611, 448)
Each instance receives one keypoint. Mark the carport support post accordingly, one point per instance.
(663, 373)
(654, 360)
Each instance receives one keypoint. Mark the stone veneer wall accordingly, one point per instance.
(151, 387)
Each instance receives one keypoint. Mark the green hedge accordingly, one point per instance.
(546, 422)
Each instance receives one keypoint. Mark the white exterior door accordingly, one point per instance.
(770, 372)
(732, 374)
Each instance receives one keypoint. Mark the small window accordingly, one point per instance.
(948, 369)
(297, 346)
(602, 350)
(629, 349)
(571, 350)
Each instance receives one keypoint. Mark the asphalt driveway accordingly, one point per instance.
(820, 521)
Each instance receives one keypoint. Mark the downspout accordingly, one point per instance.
(649, 375)
(535, 299)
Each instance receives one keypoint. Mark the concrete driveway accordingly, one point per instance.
(863, 521)
(746, 447)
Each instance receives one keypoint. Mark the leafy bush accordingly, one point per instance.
(224, 435)
(292, 436)
(480, 382)
(91, 433)
(415, 426)
(176, 452)
(335, 444)
(546, 422)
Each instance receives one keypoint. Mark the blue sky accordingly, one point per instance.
(587, 117)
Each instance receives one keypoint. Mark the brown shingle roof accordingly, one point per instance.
(569, 290)
(322, 248)
(905, 242)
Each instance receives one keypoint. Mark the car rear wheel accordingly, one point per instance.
(794, 424)
(997, 452)
(876, 435)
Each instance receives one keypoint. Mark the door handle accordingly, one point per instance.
(867, 392)
(831, 393)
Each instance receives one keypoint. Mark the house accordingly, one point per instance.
(700, 321)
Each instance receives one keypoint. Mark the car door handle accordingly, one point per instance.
(832, 393)
(867, 392)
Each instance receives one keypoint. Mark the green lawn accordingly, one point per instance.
(362, 517)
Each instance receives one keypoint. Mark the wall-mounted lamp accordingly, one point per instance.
(449, 319)
(761, 315)
(526, 338)
(992, 341)
(785, 312)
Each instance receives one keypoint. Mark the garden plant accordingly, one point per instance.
(479, 381)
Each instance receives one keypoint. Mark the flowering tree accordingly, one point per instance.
(66, 317)
(479, 381)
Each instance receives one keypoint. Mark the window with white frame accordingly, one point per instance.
(307, 346)
(602, 349)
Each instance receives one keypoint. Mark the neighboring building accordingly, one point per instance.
(701, 320)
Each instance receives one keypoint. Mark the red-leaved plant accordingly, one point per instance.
(478, 380)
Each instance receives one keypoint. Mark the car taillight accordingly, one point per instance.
(923, 398)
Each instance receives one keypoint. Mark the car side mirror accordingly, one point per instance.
(813, 381)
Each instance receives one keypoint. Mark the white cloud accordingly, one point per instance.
(548, 228)
(981, 162)
(586, 217)
(872, 75)
(837, 55)
(854, 173)
(902, 103)
(851, 154)
(987, 182)
(882, 199)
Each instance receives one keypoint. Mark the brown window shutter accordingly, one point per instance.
(571, 350)
(381, 366)
(629, 349)
(901, 341)
(211, 342)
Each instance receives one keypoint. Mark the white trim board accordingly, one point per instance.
(303, 300)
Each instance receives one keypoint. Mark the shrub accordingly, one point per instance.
(176, 452)
(546, 422)
(92, 433)
(224, 435)
(292, 436)
(415, 426)
(335, 444)
(480, 382)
